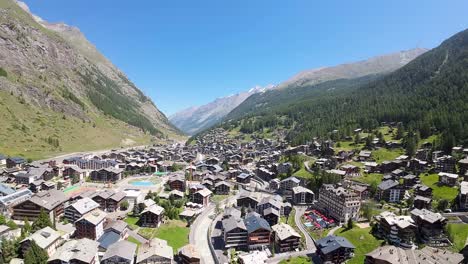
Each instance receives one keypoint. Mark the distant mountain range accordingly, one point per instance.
(51, 70)
(428, 95)
(197, 118)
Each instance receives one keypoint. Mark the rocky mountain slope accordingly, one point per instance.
(375, 65)
(50, 70)
(197, 118)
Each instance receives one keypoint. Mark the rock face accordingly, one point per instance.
(197, 118)
(54, 67)
(375, 65)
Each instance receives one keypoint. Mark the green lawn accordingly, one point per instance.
(362, 239)
(439, 192)
(388, 136)
(296, 260)
(132, 222)
(383, 154)
(458, 234)
(347, 146)
(369, 178)
(218, 198)
(134, 240)
(174, 232)
(303, 173)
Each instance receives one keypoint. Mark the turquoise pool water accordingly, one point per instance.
(142, 183)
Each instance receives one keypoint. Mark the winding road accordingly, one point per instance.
(310, 245)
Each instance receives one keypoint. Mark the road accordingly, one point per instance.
(310, 245)
(198, 234)
(60, 158)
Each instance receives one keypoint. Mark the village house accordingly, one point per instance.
(399, 230)
(334, 249)
(243, 178)
(151, 216)
(77, 251)
(122, 252)
(106, 175)
(51, 201)
(75, 211)
(259, 231)
(446, 164)
(202, 197)
(91, 225)
(430, 227)
(156, 251)
(422, 190)
(46, 238)
(449, 179)
(286, 238)
(234, 232)
(177, 182)
(302, 196)
(463, 196)
(222, 188)
(15, 162)
(390, 191)
(188, 254)
(390, 254)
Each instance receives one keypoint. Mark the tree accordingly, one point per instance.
(2, 220)
(442, 205)
(367, 210)
(124, 205)
(42, 221)
(35, 255)
(400, 131)
(350, 223)
(136, 209)
(8, 250)
(242, 211)
(27, 228)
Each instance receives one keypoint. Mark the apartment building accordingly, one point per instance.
(338, 202)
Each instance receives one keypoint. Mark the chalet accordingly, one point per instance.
(176, 194)
(431, 227)
(302, 196)
(122, 252)
(247, 201)
(202, 197)
(286, 238)
(390, 191)
(106, 175)
(75, 211)
(259, 231)
(362, 190)
(289, 183)
(25, 178)
(274, 184)
(243, 178)
(364, 155)
(77, 251)
(222, 188)
(177, 182)
(421, 202)
(271, 215)
(463, 166)
(151, 216)
(234, 232)
(449, 179)
(114, 231)
(5, 190)
(410, 180)
(46, 238)
(446, 164)
(7, 202)
(91, 225)
(15, 162)
(398, 230)
(189, 255)
(334, 249)
(422, 190)
(51, 201)
(392, 254)
(351, 170)
(73, 171)
(156, 251)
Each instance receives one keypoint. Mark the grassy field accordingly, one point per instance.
(439, 192)
(362, 240)
(25, 130)
(383, 154)
(347, 146)
(174, 232)
(132, 222)
(303, 173)
(134, 240)
(296, 260)
(369, 178)
(218, 198)
(458, 234)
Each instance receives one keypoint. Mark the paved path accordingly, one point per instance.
(333, 230)
(310, 245)
(135, 235)
(198, 234)
(282, 256)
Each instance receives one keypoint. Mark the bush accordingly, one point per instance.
(3, 72)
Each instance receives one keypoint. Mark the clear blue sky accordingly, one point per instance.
(184, 53)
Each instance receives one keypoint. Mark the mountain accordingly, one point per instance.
(197, 118)
(428, 95)
(59, 93)
(375, 65)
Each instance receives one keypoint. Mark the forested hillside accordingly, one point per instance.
(428, 94)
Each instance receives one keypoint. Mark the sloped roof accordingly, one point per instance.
(331, 243)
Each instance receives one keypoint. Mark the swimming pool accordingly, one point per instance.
(142, 183)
